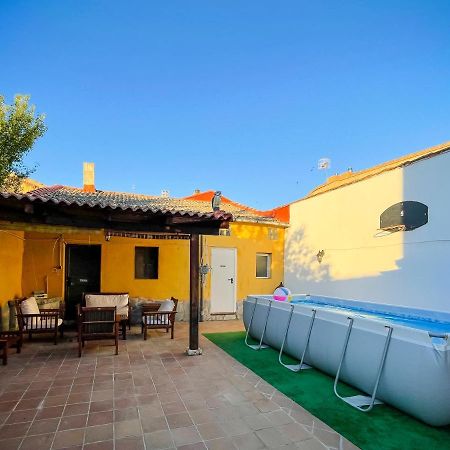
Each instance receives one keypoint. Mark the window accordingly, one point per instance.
(263, 263)
(273, 234)
(146, 262)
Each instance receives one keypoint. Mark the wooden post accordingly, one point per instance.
(194, 255)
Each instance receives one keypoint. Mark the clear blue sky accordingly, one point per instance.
(241, 96)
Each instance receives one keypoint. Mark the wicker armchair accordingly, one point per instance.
(97, 323)
(31, 319)
(159, 316)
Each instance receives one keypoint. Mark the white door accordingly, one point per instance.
(223, 280)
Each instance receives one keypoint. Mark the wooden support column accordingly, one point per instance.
(194, 264)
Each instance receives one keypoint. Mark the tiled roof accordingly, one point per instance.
(240, 212)
(137, 202)
(347, 178)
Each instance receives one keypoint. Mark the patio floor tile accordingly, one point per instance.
(150, 396)
(158, 440)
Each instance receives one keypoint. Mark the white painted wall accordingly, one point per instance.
(406, 268)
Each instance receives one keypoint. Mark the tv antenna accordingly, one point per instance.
(324, 164)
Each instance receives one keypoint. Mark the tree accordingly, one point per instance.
(19, 129)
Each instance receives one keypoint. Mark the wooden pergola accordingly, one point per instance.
(28, 212)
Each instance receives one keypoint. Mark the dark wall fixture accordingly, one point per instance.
(407, 216)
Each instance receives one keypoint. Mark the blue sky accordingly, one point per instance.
(241, 96)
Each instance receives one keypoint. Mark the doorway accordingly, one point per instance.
(223, 280)
(83, 264)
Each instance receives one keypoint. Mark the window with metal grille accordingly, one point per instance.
(146, 262)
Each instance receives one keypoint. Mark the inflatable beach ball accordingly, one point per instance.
(282, 294)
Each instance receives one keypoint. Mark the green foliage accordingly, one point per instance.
(19, 129)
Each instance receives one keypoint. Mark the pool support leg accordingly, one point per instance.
(362, 402)
(301, 365)
(259, 346)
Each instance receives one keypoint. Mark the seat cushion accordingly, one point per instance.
(29, 306)
(120, 301)
(166, 305)
(36, 323)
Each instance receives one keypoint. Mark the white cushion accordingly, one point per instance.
(120, 301)
(166, 305)
(37, 323)
(29, 306)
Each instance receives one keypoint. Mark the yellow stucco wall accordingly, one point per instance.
(11, 251)
(249, 239)
(42, 259)
(44, 254)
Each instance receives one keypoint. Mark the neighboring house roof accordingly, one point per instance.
(347, 178)
(242, 212)
(138, 202)
(28, 185)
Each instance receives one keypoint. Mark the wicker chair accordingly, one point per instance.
(158, 316)
(97, 323)
(39, 320)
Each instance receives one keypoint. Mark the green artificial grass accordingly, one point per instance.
(383, 428)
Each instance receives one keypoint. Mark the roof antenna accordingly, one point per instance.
(324, 164)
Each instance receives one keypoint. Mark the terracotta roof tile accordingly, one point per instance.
(107, 199)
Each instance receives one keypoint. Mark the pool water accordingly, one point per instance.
(427, 324)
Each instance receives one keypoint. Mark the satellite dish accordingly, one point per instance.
(324, 163)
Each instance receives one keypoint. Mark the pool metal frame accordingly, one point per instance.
(291, 340)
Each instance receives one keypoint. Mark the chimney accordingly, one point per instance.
(88, 177)
(197, 191)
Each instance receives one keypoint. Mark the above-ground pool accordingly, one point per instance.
(401, 354)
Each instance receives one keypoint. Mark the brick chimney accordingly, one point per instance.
(88, 177)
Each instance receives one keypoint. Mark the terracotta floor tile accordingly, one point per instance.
(69, 438)
(44, 426)
(158, 440)
(104, 405)
(40, 442)
(100, 418)
(129, 443)
(211, 431)
(125, 414)
(55, 400)
(127, 428)
(197, 446)
(105, 445)
(173, 407)
(35, 393)
(76, 409)
(99, 433)
(72, 422)
(79, 397)
(138, 391)
(220, 444)
(25, 415)
(10, 444)
(14, 430)
(29, 403)
(179, 420)
(154, 424)
(186, 435)
(125, 402)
